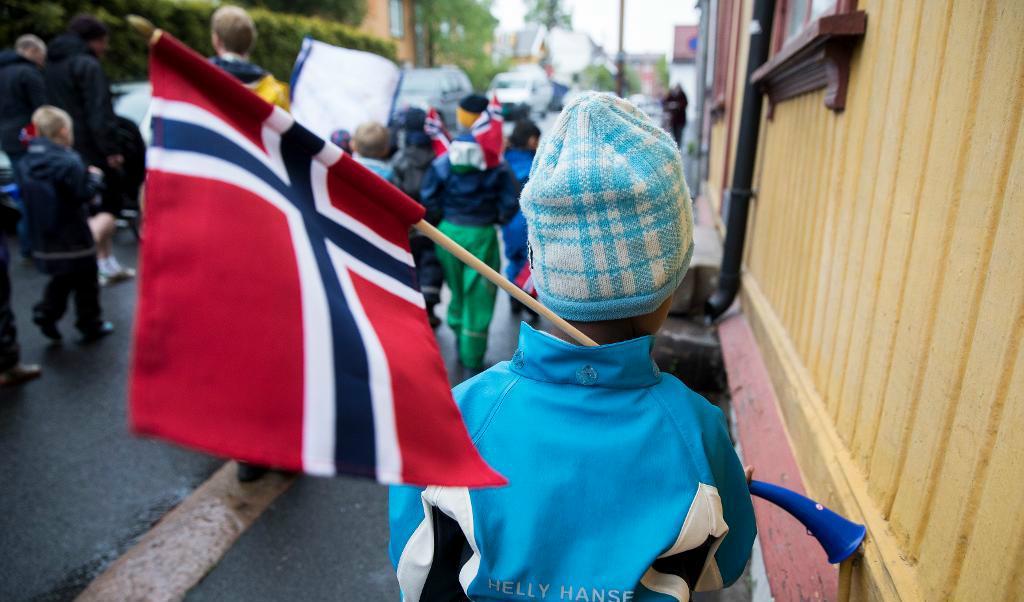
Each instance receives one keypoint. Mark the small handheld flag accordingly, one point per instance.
(487, 130)
(278, 317)
(435, 130)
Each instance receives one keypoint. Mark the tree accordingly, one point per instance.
(350, 12)
(633, 83)
(597, 77)
(458, 32)
(661, 72)
(550, 13)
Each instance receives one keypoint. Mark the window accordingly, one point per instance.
(724, 42)
(793, 17)
(396, 17)
(813, 41)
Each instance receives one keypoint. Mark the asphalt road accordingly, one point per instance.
(76, 489)
(326, 539)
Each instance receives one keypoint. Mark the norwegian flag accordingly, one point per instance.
(435, 130)
(524, 280)
(278, 318)
(488, 133)
(27, 134)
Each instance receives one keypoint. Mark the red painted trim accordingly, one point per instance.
(796, 565)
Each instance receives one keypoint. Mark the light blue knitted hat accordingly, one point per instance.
(609, 214)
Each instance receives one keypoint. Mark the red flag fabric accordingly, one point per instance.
(524, 280)
(435, 130)
(279, 321)
(487, 130)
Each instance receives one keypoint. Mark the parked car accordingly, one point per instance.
(7, 188)
(522, 93)
(440, 87)
(6, 169)
(131, 101)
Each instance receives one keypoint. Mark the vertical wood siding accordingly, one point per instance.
(889, 243)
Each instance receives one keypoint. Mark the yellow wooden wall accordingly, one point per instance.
(721, 128)
(885, 281)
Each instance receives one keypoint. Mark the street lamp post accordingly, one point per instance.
(620, 59)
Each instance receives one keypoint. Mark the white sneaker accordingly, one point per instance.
(119, 275)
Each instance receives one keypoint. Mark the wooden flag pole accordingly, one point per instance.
(489, 273)
(147, 29)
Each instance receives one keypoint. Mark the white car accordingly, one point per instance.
(522, 93)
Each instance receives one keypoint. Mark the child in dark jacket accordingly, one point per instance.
(410, 165)
(522, 148)
(472, 199)
(57, 189)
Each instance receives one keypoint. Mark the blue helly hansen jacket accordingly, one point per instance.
(624, 486)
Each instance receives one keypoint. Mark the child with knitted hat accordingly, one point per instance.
(623, 483)
(471, 199)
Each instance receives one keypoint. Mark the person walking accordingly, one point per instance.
(472, 199)
(22, 91)
(76, 83)
(675, 105)
(410, 165)
(233, 35)
(57, 188)
(12, 371)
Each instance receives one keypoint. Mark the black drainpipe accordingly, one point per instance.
(743, 172)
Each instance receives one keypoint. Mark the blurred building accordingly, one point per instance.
(570, 52)
(882, 284)
(683, 68)
(393, 20)
(646, 68)
(521, 46)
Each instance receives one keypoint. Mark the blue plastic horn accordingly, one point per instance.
(839, 537)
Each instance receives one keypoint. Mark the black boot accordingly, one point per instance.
(250, 472)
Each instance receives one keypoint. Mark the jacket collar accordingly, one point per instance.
(623, 365)
(39, 144)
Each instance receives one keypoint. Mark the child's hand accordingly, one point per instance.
(749, 471)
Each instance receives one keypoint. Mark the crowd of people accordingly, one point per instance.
(466, 199)
(605, 225)
(75, 164)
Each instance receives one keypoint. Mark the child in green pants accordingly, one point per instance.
(472, 200)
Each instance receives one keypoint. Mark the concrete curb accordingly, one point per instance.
(189, 541)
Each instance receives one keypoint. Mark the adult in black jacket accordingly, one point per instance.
(76, 82)
(22, 91)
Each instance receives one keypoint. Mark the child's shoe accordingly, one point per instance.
(49, 329)
(19, 373)
(98, 332)
(110, 271)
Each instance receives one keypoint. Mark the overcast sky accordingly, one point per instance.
(648, 22)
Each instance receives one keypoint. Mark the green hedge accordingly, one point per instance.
(280, 35)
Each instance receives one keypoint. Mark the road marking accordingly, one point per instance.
(189, 541)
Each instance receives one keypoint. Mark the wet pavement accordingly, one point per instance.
(326, 539)
(76, 489)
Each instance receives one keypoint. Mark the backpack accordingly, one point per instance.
(410, 165)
